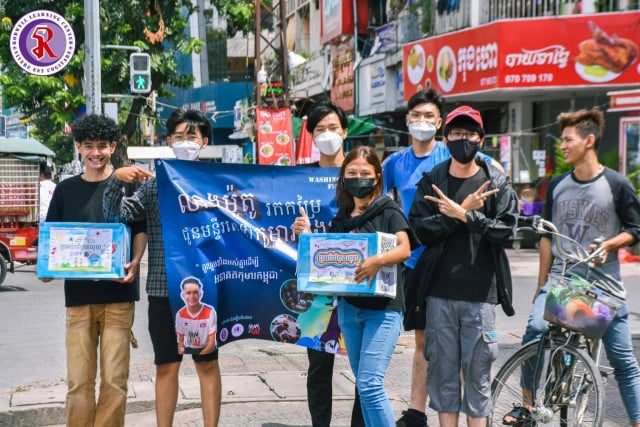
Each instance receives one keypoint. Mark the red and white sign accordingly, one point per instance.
(336, 18)
(275, 136)
(579, 50)
(627, 100)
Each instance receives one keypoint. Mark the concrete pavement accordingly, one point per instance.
(263, 383)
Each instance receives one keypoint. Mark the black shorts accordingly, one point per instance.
(162, 329)
(414, 316)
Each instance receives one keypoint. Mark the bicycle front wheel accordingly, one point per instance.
(563, 382)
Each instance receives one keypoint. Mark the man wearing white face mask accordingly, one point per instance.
(189, 131)
(328, 126)
(401, 172)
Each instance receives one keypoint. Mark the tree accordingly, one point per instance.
(240, 15)
(49, 102)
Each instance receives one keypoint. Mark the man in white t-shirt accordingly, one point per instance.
(46, 191)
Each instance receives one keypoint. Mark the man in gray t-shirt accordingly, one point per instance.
(587, 203)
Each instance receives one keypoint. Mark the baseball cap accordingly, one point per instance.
(467, 111)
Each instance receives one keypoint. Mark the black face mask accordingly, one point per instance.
(359, 187)
(463, 150)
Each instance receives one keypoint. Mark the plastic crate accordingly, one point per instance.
(578, 305)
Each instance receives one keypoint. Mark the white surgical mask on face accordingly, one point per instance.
(186, 150)
(422, 131)
(328, 143)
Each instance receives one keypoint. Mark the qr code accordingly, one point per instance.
(387, 279)
(387, 242)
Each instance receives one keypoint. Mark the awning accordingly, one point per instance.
(26, 149)
(357, 126)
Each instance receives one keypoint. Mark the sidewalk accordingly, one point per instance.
(264, 383)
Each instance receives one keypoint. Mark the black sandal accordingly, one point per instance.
(522, 417)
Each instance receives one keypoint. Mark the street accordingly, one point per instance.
(32, 330)
(32, 350)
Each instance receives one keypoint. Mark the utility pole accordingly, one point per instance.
(92, 70)
(275, 44)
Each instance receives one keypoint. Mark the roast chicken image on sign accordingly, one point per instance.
(603, 57)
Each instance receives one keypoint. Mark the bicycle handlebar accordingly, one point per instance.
(542, 226)
(570, 261)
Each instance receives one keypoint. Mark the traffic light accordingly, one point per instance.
(140, 72)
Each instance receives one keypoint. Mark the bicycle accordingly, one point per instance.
(562, 369)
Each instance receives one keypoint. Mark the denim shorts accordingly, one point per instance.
(162, 328)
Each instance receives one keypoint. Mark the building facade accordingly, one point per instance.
(520, 63)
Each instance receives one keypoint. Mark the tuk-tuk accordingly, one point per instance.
(20, 161)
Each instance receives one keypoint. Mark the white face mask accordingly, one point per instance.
(186, 150)
(422, 131)
(328, 143)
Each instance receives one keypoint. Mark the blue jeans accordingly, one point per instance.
(617, 344)
(370, 337)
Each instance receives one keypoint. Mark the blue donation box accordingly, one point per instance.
(83, 250)
(327, 263)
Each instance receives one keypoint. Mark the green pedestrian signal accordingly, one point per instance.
(140, 73)
(141, 83)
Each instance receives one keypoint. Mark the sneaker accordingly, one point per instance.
(412, 418)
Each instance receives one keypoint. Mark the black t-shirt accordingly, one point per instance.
(77, 200)
(456, 277)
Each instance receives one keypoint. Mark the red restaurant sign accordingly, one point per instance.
(624, 100)
(591, 50)
(275, 136)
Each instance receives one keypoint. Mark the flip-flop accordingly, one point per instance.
(521, 415)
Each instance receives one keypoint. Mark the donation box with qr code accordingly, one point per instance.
(327, 263)
(83, 250)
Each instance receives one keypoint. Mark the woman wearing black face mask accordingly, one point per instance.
(370, 325)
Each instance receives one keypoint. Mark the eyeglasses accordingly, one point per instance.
(186, 137)
(457, 134)
(417, 115)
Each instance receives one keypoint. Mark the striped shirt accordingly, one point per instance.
(140, 206)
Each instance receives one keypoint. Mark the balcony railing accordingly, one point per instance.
(293, 5)
(445, 20)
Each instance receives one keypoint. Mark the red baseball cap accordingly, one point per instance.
(465, 110)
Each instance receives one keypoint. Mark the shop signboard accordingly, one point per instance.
(372, 77)
(577, 50)
(342, 90)
(275, 136)
(630, 146)
(337, 16)
(387, 37)
(624, 100)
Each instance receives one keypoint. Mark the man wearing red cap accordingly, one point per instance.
(464, 211)
(401, 171)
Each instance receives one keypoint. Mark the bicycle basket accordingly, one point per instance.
(577, 304)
